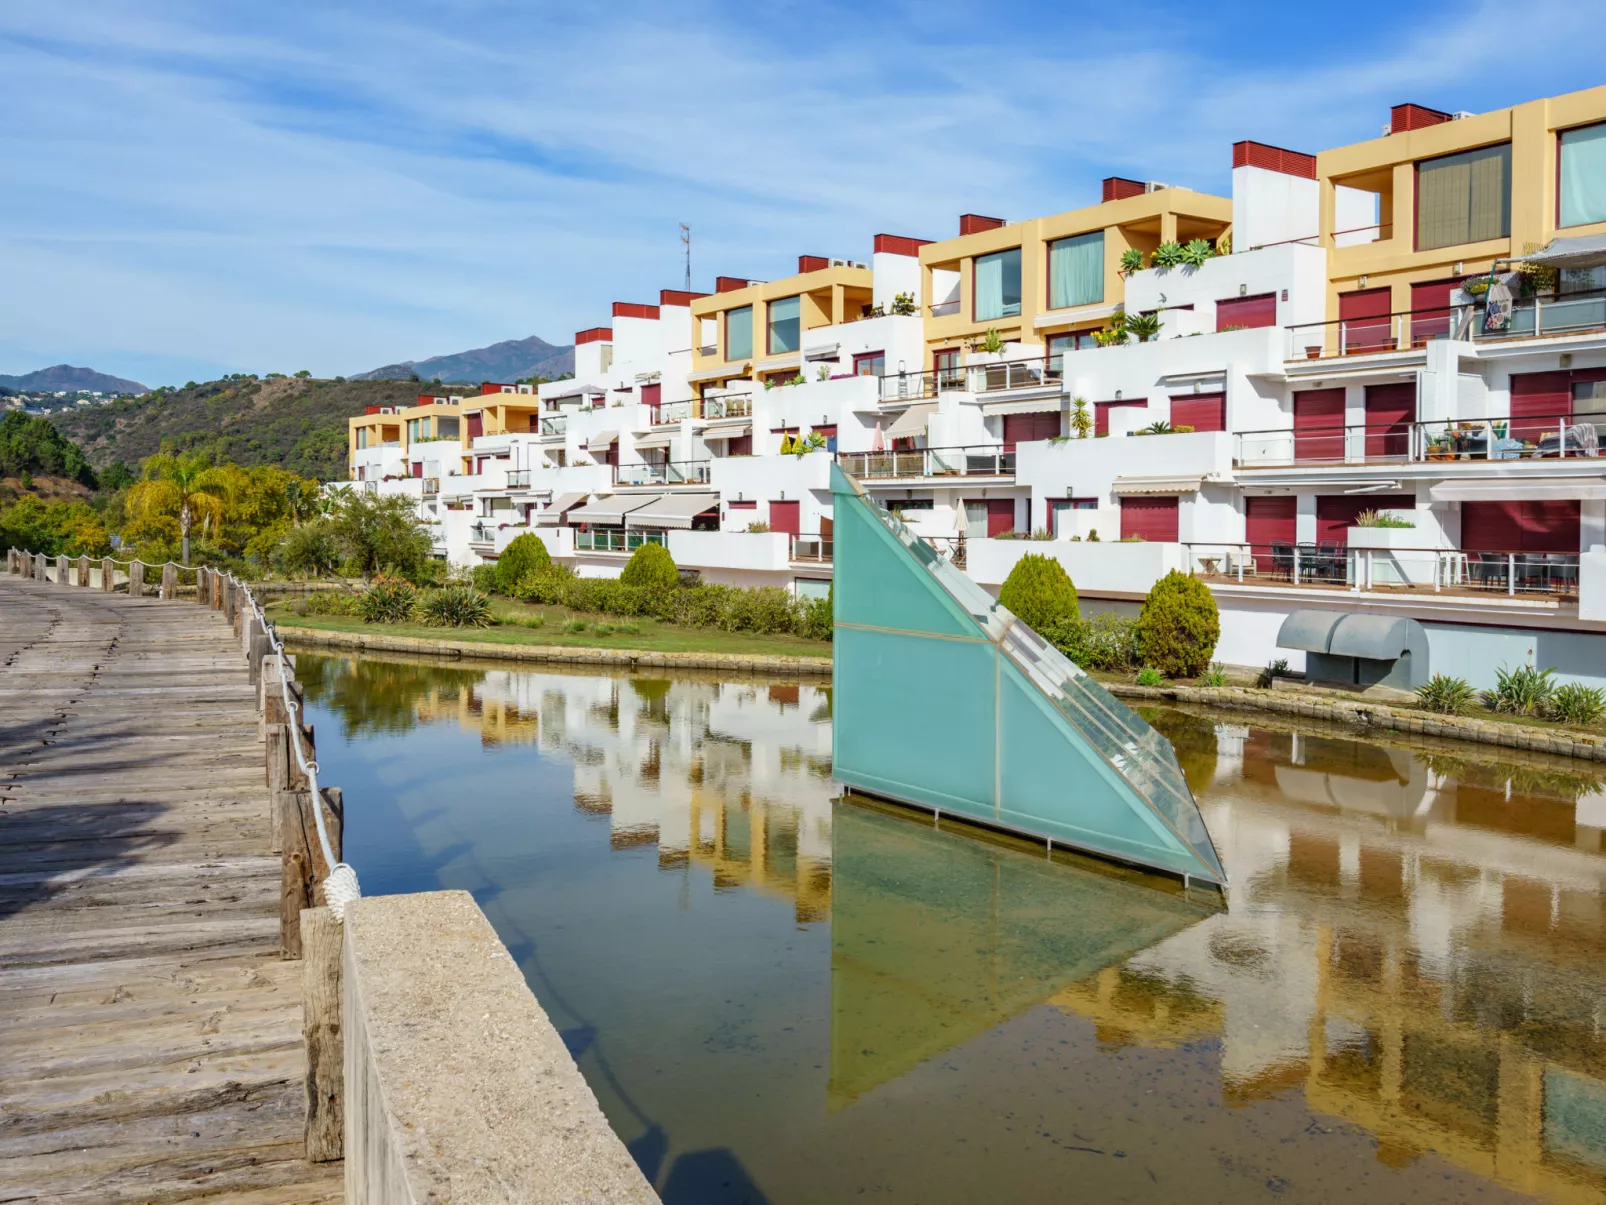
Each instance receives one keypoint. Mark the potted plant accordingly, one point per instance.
(1168, 254)
(1081, 420)
(1131, 261)
(1143, 326)
(1313, 351)
(1197, 252)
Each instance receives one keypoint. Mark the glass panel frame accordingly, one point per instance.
(997, 285)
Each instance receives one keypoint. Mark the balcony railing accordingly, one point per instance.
(811, 548)
(481, 533)
(979, 461)
(554, 425)
(518, 479)
(1332, 565)
(944, 308)
(1527, 438)
(738, 405)
(614, 539)
(1045, 373)
(1530, 317)
(674, 472)
(672, 412)
(432, 485)
(903, 386)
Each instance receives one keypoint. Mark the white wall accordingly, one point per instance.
(1103, 568)
(1300, 269)
(895, 274)
(1271, 207)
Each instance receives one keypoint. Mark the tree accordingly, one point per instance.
(311, 550)
(381, 533)
(1179, 626)
(31, 444)
(523, 556)
(651, 566)
(1039, 593)
(187, 486)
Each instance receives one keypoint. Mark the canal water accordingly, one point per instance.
(782, 996)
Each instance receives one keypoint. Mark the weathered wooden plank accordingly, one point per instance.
(321, 937)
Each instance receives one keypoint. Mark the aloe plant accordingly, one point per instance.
(1168, 254)
(992, 341)
(1196, 252)
(1131, 261)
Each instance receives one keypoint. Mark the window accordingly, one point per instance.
(785, 325)
(362, 437)
(739, 333)
(998, 285)
(870, 364)
(1058, 345)
(945, 364)
(1056, 513)
(1076, 270)
(1583, 175)
(1463, 198)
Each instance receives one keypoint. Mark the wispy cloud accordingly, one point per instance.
(199, 188)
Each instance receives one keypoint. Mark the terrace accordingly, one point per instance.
(983, 460)
(1330, 565)
(1525, 438)
(1546, 315)
(615, 539)
(670, 472)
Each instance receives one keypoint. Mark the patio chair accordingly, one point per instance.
(1332, 561)
(1282, 560)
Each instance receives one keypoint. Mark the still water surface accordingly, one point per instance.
(779, 996)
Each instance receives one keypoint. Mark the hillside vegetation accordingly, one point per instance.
(289, 423)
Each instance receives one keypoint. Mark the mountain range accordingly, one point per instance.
(508, 361)
(66, 378)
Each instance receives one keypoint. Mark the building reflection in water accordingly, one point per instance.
(1413, 942)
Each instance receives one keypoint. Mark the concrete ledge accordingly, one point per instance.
(458, 1088)
(791, 667)
(1561, 742)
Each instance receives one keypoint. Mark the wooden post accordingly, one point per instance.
(334, 814)
(108, 574)
(277, 757)
(321, 937)
(218, 584)
(293, 893)
(63, 571)
(39, 571)
(83, 572)
(200, 587)
(169, 580)
(136, 579)
(260, 648)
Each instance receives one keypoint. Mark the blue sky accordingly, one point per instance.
(199, 188)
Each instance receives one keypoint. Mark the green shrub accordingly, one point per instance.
(1525, 690)
(483, 577)
(1274, 670)
(815, 621)
(1572, 703)
(1179, 626)
(1106, 642)
(388, 600)
(701, 606)
(1149, 676)
(605, 629)
(525, 555)
(1039, 593)
(765, 610)
(327, 602)
(1216, 675)
(1446, 695)
(456, 606)
(573, 626)
(651, 565)
(549, 586)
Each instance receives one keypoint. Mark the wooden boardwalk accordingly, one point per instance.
(150, 1035)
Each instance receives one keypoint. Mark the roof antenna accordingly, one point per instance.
(685, 238)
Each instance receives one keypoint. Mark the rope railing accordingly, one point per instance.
(340, 885)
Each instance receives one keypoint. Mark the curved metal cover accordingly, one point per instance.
(1377, 637)
(1310, 631)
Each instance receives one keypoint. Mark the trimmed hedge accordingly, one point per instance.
(651, 566)
(1179, 626)
(523, 556)
(1039, 593)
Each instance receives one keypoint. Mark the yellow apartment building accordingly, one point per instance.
(753, 330)
(1052, 280)
(1452, 194)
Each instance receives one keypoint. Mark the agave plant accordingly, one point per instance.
(1158, 428)
(1131, 261)
(1522, 691)
(1445, 695)
(456, 606)
(1168, 254)
(1144, 326)
(1196, 252)
(1574, 703)
(387, 601)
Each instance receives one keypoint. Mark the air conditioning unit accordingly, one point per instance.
(1388, 128)
(840, 263)
(1462, 115)
(1156, 186)
(856, 264)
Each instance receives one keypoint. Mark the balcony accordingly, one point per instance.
(518, 479)
(481, 533)
(903, 386)
(674, 472)
(432, 486)
(815, 549)
(735, 406)
(614, 539)
(978, 461)
(1047, 373)
(1555, 436)
(1543, 316)
(555, 425)
(1333, 566)
(672, 412)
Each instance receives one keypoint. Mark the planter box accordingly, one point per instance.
(1398, 556)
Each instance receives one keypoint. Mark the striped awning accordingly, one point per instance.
(673, 510)
(1157, 485)
(654, 441)
(611, 511)
(729, 429)
(553, 515)
(718, 372)
(601, 441)
(911, 422)
(1041, 405)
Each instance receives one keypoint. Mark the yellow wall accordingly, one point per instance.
(830, 296)
(1142, 222)
(1389, 165)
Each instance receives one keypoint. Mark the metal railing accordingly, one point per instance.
(518, 479)
(1401, 330)
(739, 405)
(1526, 438)
(671, 412)
(554, 425)
(1044, 373)
(976, 461)
(432, 485)
(943, 308)
(811, 548)
(1335, 565)
(673, 472)
(902, 386)
(615, 539)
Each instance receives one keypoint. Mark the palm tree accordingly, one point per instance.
(186, 484)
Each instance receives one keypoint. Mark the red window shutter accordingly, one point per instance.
(652, 395)
(1319, 424)
(418, 468)
(1538, 402)
(1336, 513)
(1000, 516)
(1152, 519)
(1550, 526)
(1260, 310)
(1201, 411)
(741, 445)
(1390, 411)
(1364, 315)
(1430, 309)
(476, 424)
(1268, 521)
(1024, 428)
(784, 517)
(1101, 414)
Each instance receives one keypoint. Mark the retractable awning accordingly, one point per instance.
(911, 422)
(611, 511)
(575, 391)
(720, 372)
(1042, 405)
(553, 515)
(825, 351)
(730, 430)
(1517, 489)
(1582, 251)
(791, 360)
(673, 510)
(1157, 485)
(601, 441)
(653, 441)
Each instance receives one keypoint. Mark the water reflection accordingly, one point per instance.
(778, 997)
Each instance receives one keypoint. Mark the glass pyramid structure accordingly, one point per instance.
(944, 700)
